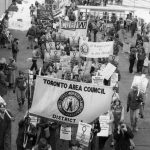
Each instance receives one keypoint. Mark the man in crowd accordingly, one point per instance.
(5, 128)
(31, 34)
(133, 104)
(20, 88)
(15, 49)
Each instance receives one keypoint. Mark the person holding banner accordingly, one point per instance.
(133, 104)
(95, 129)
(103, 139)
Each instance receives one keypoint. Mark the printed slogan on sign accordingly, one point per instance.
(69, 101)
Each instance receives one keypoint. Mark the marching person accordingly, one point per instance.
(95, 30)
(95, 129)
(141, 55)
(3, 82)
(118, 113)
(123, 136)
(102, 140)
(15, 48)
(35, 56)
(12, 72)
(31, 34)
(133, 104)
(20, 88)
(132, 58)
(5, 128)
(133, 27)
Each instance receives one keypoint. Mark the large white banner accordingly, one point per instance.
(73, 29)
(69, 101)
(96, 49)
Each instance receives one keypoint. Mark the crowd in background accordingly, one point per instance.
(38, 35)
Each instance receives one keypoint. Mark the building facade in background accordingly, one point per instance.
(4, 4)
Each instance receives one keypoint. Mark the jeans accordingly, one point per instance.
(134, 115)
(131, 65)
(140, 65)
(95, 33)
(34, 65)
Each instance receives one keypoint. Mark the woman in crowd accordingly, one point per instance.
(118, 113)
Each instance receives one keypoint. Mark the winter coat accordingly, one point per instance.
(123, 140)
(134, 100)
(5, 133)
(3, 84)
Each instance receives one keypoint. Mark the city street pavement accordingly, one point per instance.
(141, 137)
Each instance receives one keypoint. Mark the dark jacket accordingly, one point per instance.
(5, 133)
(123, 140)
(3, 84)
(134, 100)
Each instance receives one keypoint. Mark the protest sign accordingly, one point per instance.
(73, 29)
(65, 62)
(50, 46)
(141, 82)
(84, 133)
(55, 53)
(114, 79)
(98, 80)
(65, 133)
(68, 101)
(74, 54)
(108, 71)
(96, 49)
(104, 126)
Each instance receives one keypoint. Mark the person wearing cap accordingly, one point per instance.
(133, 104)
(20, 88)
(5, 128)
(11, 75)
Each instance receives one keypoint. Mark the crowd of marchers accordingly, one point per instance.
(34, 137)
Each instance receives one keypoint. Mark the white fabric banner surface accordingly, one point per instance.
(96, 49)
(84, 133)
(74, 29)
(69, 101)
